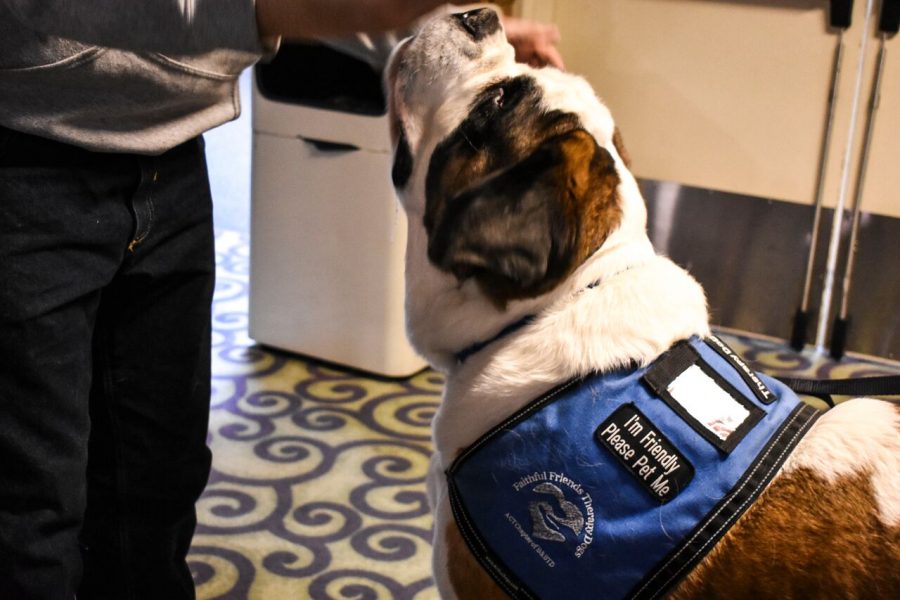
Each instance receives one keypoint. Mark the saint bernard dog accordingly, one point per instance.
(528, 266)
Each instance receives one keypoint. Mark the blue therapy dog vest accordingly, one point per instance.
(615, 485)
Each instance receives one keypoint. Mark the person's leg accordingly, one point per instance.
(63, 230)
(148, 459)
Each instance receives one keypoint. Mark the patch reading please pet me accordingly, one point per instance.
(645, 452)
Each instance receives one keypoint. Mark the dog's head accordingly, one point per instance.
(509, 175)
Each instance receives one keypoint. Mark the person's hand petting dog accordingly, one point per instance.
(535, 43)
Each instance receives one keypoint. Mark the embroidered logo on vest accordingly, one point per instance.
(561, 514)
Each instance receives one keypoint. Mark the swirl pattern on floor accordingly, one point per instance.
(318, 481)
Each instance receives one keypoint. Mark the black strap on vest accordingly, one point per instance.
(888, 385)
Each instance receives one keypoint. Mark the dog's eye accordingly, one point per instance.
(499, 97)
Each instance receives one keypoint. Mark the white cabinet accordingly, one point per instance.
(327, 238)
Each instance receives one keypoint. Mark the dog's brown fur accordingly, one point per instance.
(468, 578)
(589, 182)
(620, 147)
(838, 546)
(577, 183)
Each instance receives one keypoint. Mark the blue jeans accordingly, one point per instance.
(106, 278)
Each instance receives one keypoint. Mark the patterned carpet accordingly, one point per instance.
(317, 489)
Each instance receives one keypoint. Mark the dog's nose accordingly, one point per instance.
(480, 22)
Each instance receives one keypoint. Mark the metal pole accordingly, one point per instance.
(842, 321)
(835, 240)
(840, 16)
(798, 335)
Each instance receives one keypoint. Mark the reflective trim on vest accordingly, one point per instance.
(605, 488)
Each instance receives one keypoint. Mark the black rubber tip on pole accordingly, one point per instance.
(840, 13)
(798, 333)
(889, 22)
(839, 337)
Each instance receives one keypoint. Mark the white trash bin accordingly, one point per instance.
(327, 234)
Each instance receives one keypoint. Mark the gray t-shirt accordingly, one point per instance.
(123, 77)
(140, 77)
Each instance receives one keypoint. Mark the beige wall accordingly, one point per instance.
(731, 94)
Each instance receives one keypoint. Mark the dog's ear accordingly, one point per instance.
(524, 229)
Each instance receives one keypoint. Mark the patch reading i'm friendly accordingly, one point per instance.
(645, 452)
